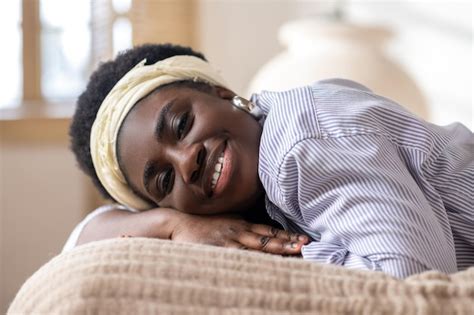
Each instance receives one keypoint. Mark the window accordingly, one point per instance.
(55, 44)
(10, 61)
(65, 47)
(122, 27)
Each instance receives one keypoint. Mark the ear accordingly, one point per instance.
(224, 93)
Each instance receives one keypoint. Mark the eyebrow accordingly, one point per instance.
(160, 125)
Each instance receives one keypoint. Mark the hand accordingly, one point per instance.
(234, 232)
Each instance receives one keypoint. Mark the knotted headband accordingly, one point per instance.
(136, 84)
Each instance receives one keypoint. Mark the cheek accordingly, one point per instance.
(181, 199)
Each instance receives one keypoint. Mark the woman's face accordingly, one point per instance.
(192, 151)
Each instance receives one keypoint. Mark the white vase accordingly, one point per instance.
(320, 50)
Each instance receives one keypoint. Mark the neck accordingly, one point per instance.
(258, 213)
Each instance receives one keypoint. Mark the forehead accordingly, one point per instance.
(147, 110)
(154, 101)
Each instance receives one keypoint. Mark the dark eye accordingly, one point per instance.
(181, 125)
(165, 181)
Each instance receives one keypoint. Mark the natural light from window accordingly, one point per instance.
(65, 43)
(10, 63)
(122, 28)
(65, 34)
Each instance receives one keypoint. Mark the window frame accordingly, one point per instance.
(148, 25)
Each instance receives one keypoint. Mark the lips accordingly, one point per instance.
(209, 171)
(217, 170)
(210, 163)
(226, 171)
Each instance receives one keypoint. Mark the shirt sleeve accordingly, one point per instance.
(358, 194)
(72, 240)
(345, 83)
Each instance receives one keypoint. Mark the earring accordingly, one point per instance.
(247, 106)
(242, 103)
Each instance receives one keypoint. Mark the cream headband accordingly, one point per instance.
(136, 84)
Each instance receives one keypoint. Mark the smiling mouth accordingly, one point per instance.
(217, 170)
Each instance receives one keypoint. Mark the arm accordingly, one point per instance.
(368, 208)
(155, 223)
(164, 223)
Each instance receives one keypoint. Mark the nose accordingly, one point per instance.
(188, 161)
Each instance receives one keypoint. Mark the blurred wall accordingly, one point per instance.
(42, 196)
(433, 42)
(240, 36)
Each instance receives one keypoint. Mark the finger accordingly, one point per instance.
(271, 231)
(269, 244)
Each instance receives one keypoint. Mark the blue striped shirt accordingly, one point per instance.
(374, 186)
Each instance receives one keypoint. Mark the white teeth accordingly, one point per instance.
(218, 169)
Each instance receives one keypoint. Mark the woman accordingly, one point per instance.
(166, 223)
(372, 186)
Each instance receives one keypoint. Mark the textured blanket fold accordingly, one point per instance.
(147, 276)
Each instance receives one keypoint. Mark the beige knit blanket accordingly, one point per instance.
(147, 276)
